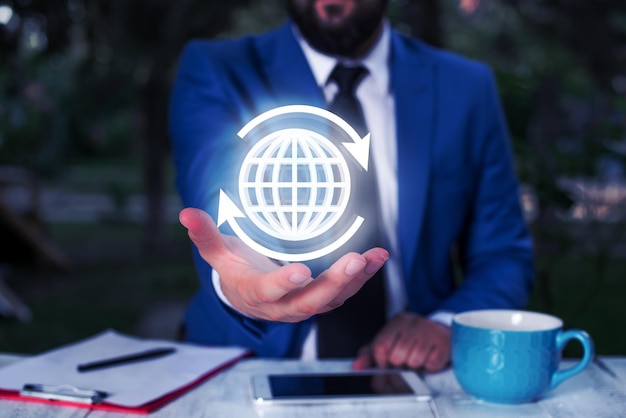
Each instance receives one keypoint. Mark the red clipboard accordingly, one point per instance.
(145, 408)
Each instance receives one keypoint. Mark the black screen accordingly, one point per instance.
(289, 386)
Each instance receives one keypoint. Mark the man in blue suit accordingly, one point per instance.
(455, 236)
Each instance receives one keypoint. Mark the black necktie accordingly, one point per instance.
(342, 331)
(345, 102)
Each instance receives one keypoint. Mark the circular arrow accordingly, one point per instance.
(359, 148)
(228, 211)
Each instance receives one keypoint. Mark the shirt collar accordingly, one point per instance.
(376, 61)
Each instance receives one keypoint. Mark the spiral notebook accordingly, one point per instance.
(139, 386)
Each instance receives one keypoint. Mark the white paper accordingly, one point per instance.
(128, 385)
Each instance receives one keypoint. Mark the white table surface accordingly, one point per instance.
(596, 393)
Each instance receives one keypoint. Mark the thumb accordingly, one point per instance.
(202, 230)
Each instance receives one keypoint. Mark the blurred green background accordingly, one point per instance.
(89, 237)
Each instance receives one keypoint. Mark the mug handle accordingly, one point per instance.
(562, 339)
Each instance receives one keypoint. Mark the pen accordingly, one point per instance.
(125, 359)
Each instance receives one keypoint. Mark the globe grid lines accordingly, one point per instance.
(256, 224)
(294, 184)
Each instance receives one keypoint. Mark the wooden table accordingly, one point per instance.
(600, 391)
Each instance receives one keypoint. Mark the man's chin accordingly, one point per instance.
(331, 45)
(335, 27)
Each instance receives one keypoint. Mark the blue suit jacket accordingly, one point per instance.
(458, 193)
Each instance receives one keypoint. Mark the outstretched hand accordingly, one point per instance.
(260, 288)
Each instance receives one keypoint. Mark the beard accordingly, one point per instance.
(339, 33)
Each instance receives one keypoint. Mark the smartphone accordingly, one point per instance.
(377, 385)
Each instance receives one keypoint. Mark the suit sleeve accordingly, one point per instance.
(494, 247)
(207, 108)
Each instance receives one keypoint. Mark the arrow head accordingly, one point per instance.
(360, 150)
(227, 210)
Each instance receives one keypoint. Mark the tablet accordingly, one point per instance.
(362, 386)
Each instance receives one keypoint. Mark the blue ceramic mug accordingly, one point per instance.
(509, 356)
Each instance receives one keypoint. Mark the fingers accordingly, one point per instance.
(410, 348)
(432, 351)
(438, 359)
(349, 274)
(342, 280)
(375, 259)
(331, 288)
(321, 295)
(289, 296)
(364, 359)
(273, 286)
(409, 340)
(301, 295)
(385, 341)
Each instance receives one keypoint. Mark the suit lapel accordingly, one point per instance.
(413, 81)
(289, 77)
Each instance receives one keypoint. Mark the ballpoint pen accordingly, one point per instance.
(125, 359)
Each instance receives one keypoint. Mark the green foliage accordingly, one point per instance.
(110, 286)
(558, 67)
(562, 117)
(593, 305)
(97, 92)
(33, 122)
(256, 18)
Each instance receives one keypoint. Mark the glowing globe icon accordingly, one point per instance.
(294, 184)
